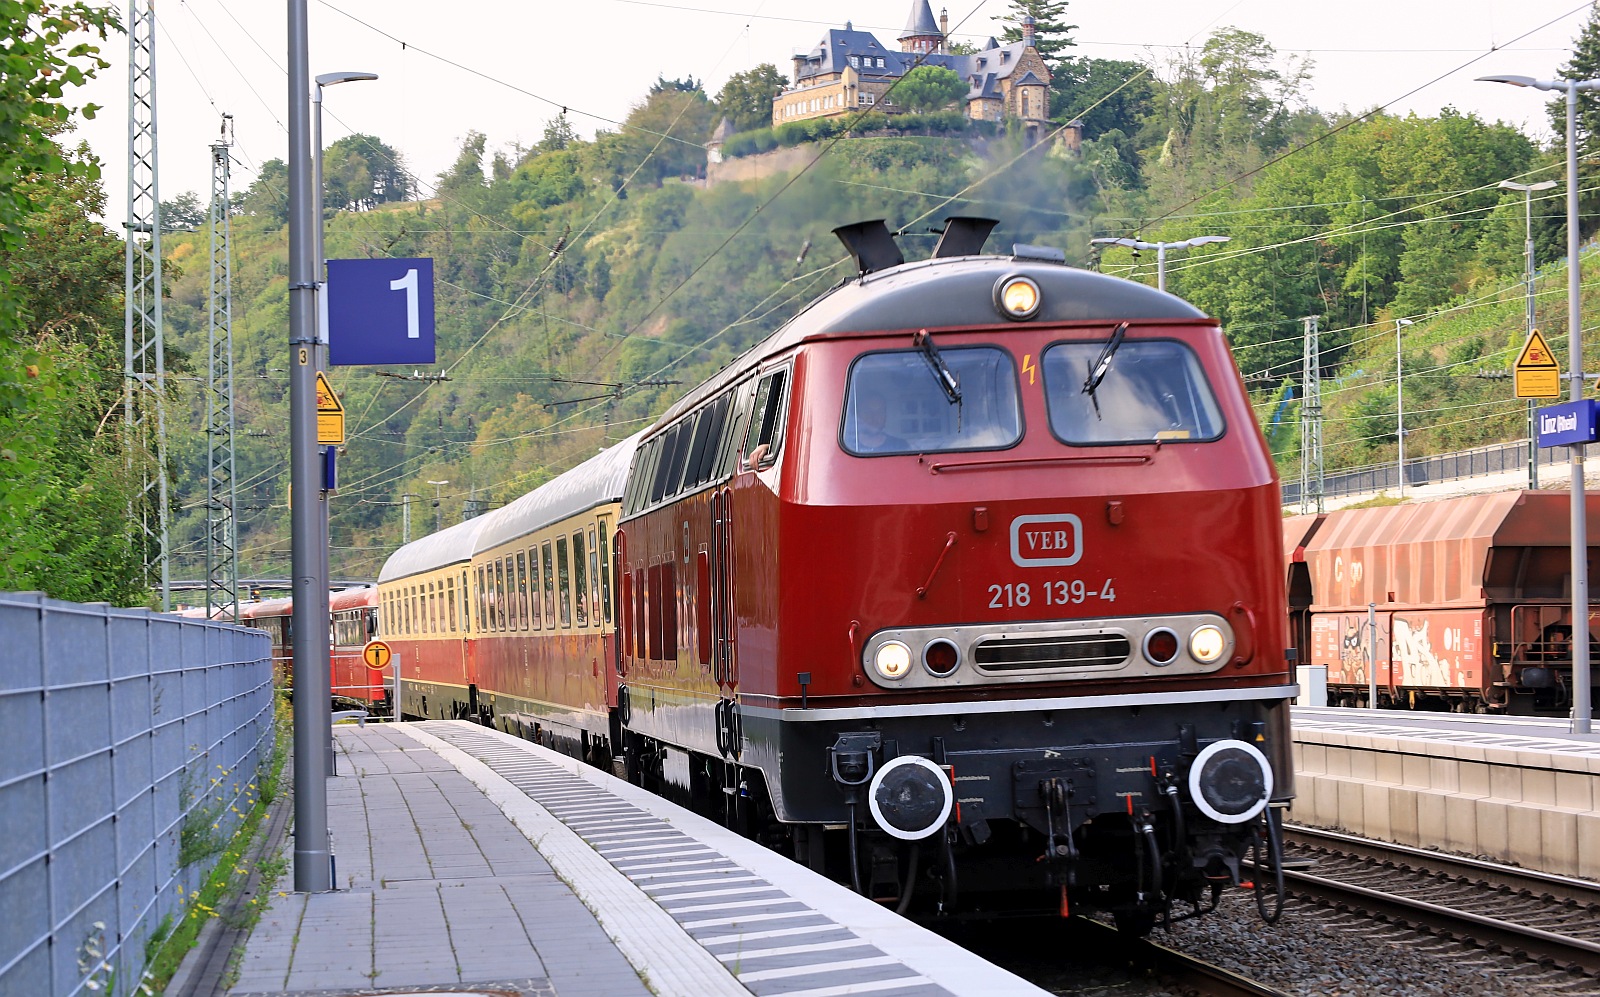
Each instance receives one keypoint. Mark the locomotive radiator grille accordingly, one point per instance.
(1090, 650)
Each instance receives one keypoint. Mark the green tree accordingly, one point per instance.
(183, 213)
(1051, 34)
(929, 88)
(1584, 65)
(746, 99)
(268, 196)
(466, 173)
(558, 134)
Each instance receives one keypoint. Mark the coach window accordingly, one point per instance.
(450, 595)
(535, 619)
(522, 591)
(1148, 391)
(549, 586)
(513, 602)
(898, 402)
(466, 605)
(580, 581)
(483, 599)
(564, 581)
(766, 419)
(497, 596)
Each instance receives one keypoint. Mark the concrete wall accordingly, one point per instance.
(129, 747)
(1531, 808)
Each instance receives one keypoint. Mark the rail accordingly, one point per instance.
(1540, 916)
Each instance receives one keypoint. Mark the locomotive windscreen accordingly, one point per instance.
(1154, 391)
(895, 403)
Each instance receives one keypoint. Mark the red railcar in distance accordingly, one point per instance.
(352, 622)
(959, 586)
(1471, 596)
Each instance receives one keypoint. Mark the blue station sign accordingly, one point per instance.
(1564, 425)
(380, 312)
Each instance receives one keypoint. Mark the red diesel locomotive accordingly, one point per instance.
(959, 586)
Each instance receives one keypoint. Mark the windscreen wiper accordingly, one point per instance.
(941, 373)
(1102, 365)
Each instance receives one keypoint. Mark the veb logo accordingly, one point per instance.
(1046, 541)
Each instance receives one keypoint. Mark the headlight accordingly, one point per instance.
(1206, 644)
(893, 660)
(1017, 297)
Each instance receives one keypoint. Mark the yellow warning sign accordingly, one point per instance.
(330, 413)
(1537, 373)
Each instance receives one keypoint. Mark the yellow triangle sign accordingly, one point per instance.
(330, 413)
(1536, 353)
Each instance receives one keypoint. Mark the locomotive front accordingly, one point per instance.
(1025, 530)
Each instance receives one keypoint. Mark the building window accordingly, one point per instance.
(880, 62)
(855, 60)
(1025, 103)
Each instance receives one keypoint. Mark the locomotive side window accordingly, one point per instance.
(1152, 391)
(733, 430)
(766, 417)
(895, 403)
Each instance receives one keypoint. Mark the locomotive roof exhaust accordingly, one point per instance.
(874, 248)
(964, 236)
(871, 245)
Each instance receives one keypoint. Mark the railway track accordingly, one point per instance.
(1550, 920)
(1147, 958)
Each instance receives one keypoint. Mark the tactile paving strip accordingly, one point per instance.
(773, 943)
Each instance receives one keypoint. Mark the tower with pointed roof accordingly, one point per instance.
(922, 35)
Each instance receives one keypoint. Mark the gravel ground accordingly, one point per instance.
(1310, 952)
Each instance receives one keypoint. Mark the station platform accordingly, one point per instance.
(1520, 790)
(468, 859)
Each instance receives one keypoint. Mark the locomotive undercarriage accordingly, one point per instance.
(1065, 818)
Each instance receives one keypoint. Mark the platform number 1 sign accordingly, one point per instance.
(380, 311)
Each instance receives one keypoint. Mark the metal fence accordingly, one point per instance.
(130, 744)
(1496, 459)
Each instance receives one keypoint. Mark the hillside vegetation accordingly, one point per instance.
(582, 285)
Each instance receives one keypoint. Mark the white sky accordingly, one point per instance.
(599, 56)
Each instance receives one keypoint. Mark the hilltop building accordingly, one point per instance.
(851, 70)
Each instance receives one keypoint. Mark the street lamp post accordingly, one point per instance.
(313, 856)
(1161, 250)
(1580, 523)
(1527, 213)
(438, 514)
(1400, 405)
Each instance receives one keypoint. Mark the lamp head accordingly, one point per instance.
(1403, 322)
(329, 79)
(1516, 81)
(1201, 240)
